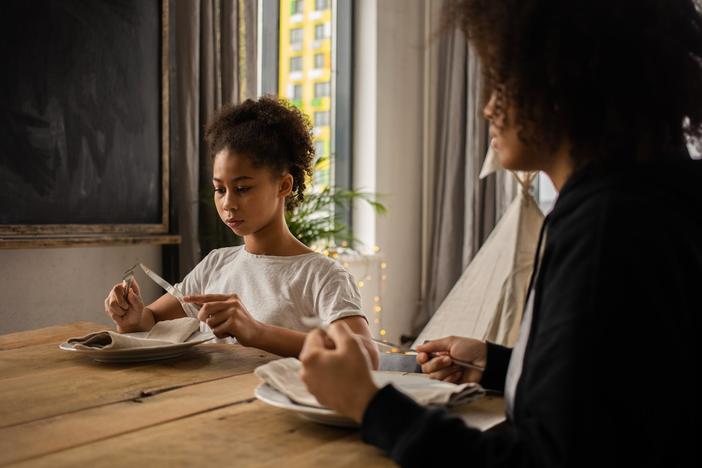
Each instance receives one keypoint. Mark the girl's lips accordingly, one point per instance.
(234, 223)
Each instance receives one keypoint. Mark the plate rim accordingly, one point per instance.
(291, 405)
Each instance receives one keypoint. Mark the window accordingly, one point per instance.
(322, 119)
(296, 36)
(319, 61)
(296, 93)
(296, 64)
(321, 5)
(322, 89)
(296, 8)
(320, 32)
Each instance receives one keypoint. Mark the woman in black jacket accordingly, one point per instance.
(604, 97)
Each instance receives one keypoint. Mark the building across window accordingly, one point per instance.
(320, 32)
(296, 92)
(296, 7)
(319, 61)
(301, 41)
(296, 36)
(296, 64)
(322, 89)
(322, 119)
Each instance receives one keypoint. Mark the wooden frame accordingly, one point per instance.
(55, 235)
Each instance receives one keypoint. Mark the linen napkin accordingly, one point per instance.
(284, 376)
(164, 332)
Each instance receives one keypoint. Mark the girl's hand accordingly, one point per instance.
(435, 359)
(126, 313)
(336, 370)
(227, 316)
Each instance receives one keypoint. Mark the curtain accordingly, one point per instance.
(460, 210)
(214, 64)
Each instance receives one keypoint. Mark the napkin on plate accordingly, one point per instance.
(284, 376)
(164, 332)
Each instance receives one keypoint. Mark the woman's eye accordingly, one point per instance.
(219, 190)
(242, 189)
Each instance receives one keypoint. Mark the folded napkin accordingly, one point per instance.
(284, 376)
(163, 333)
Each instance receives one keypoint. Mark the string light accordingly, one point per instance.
(343, 255)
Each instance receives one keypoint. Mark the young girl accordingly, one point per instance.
(257, 293)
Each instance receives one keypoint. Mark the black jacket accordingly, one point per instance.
(611, 365)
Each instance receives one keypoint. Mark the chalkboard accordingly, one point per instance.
(83, 116)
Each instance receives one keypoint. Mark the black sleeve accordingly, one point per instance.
(496, 368)
(416, 436)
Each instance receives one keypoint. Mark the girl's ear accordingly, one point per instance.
(286, 185)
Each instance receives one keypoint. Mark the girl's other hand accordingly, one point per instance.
(127, 311)
(435, 357)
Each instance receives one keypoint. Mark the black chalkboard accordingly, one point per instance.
(81, 112)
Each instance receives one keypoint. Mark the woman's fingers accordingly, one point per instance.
(455, 377)
(436, 364)
(441, 374)
(442, 344)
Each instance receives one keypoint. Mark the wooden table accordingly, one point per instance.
(60, 409)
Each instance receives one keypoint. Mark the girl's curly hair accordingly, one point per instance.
(270, 131)
(620, 79)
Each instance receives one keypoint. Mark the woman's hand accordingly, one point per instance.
(226, 316)
(336, 370)
(435, 357)
(125, 312)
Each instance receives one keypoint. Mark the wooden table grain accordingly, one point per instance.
(61, 409)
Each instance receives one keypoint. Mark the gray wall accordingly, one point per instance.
(42, 287)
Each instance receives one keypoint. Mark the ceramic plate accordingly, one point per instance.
(273, 397)
(140, 354)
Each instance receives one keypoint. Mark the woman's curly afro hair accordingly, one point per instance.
(620, 79)
(270, 131)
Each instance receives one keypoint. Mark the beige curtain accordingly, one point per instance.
(214, 64)
(459, 210)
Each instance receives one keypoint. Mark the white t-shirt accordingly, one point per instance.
(277, 290)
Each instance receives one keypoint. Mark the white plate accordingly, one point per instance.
(140, 354)
(273, 397)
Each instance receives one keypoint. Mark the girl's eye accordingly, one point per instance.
(243, 189)
(219, 190)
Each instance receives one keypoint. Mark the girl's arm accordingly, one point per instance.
(286, 342)
(165, 307)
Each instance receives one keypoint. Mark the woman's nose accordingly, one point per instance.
(489, 110)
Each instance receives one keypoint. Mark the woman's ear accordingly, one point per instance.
(286, 185)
